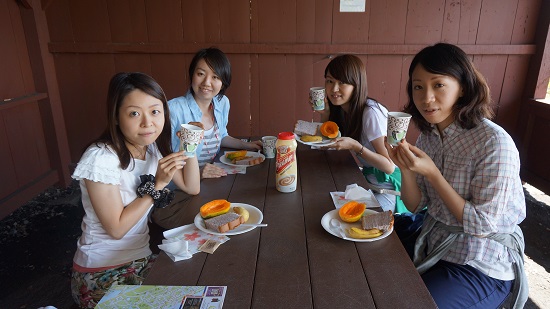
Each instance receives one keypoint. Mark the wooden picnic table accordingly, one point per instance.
(294, 262)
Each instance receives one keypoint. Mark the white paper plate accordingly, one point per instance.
(325, 142)
(225, 160)
(333, 214)
(256, 216)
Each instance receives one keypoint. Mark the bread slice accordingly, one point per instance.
(234, 161)
(224, 223)
(306, 128)
(382, 221)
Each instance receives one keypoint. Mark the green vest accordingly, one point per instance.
(394, 179)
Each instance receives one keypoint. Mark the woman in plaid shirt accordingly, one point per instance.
(465, 169)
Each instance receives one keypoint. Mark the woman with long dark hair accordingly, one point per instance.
(363, 123)
(122, 176)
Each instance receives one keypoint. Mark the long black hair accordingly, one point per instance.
(350, 69)
(447, 59)
(120, 86)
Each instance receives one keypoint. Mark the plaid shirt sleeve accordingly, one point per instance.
(482, 166)
(497, 200)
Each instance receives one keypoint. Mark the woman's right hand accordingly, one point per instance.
(393, 153)
(410, 158)
(322, 112)
(197, 124)
(167, 167)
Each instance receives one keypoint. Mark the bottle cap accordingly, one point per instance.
(286, 135)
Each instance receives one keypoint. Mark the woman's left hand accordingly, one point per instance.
(342, 143)
(255, 145)
(168, 166)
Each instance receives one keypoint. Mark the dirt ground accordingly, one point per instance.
(536, 229)
(37, 243)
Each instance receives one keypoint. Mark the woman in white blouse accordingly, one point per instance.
(122, 176)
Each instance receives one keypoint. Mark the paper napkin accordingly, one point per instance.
(231, 169)
(354, 193)
(182, 242)
(319, 147)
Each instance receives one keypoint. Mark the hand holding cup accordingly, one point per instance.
(168, 165)
(198, 124)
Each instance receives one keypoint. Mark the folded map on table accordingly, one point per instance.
(156, 296)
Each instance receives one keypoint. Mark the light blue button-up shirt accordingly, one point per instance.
(185, 109)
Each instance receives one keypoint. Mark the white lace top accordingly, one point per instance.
(95, 248)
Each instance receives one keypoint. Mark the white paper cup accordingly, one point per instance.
(317, 95)
(398, 124)
(190, 138)
(268, 144)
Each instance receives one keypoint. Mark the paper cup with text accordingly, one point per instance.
(268, 144)
(398, 124)
(317, 95)
(190, 138)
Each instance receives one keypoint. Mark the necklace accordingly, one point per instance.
(141, 155)
(216, 136)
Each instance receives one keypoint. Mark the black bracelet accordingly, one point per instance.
(166, 197)
(360, 152)
(161, 198)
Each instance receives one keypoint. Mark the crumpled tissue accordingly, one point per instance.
(182, 242)
(354, 193)
(176, 249)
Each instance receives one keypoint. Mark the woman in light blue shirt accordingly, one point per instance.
(205, 103)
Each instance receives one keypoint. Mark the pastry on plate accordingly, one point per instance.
(311, 138)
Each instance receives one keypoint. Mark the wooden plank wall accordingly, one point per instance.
(278, 49)
(23, 151)
(31, 155)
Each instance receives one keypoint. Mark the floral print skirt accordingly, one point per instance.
(88, 288)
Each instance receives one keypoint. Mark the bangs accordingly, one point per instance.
(342, 72)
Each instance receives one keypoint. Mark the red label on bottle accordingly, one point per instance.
(284, 161)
